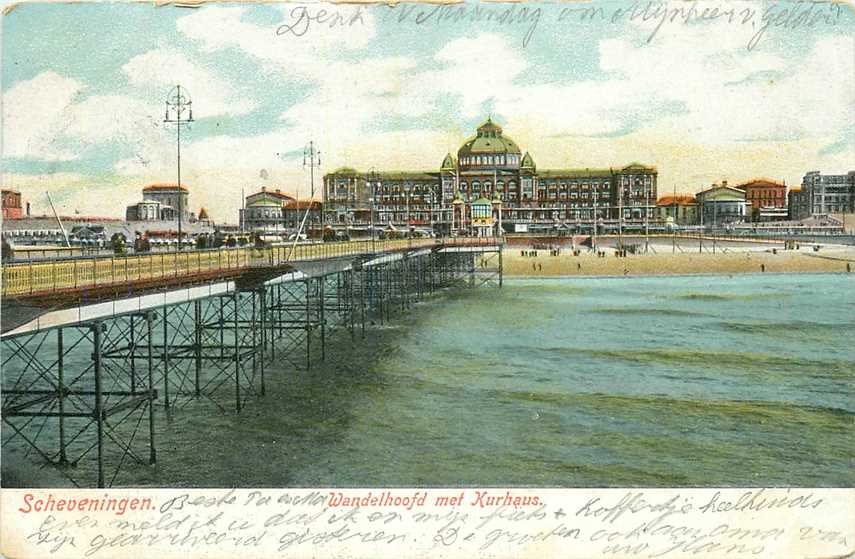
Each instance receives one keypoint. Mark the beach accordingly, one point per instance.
(730, 260)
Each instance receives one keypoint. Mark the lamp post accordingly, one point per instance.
(179, 111)
(594, 230)
(312, 158)
(646, 212)
(497, 205)
(456, 205)
(372, 179)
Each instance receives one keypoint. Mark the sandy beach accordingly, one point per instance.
(837, 260)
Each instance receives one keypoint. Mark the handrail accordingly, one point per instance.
(47, 276)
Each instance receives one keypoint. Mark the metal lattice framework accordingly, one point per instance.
(82, 397)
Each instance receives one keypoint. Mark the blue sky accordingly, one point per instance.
(83, 88)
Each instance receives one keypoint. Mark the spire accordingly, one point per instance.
(448, 164)
(527, 162)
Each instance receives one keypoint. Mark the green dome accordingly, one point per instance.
(489, 139)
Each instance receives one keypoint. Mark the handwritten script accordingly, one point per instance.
(653, 15)
(456, 522)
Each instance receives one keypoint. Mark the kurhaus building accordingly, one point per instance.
(490, 167)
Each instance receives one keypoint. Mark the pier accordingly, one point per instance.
(108, 341)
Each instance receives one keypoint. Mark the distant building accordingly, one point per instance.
(721, 205)
(829, 193)
(798, 204)
(12, 204)
(147, 210)
(767, 200)
(489, 164)
(203, 217)
(294, 211)
(263, 212)
(681, 209)
(160, 203)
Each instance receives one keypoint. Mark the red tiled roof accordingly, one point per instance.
(163, 186)
(679, 199)
(760, 183)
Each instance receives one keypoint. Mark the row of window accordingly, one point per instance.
(500, 159)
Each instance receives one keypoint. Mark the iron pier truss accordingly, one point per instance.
(83, 396)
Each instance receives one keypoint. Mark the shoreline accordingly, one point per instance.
(686, 275)
(566, 265)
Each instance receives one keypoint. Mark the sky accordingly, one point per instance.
(763, 89)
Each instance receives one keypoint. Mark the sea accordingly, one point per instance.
(692, 381)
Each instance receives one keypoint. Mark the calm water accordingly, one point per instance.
(744, 380)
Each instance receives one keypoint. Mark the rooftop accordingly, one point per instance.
(164, 186)
(488, 139)
(680, 199)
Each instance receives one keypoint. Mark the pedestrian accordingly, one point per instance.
(534, 266)
(539, 267)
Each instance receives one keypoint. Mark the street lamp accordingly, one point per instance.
(497, 205)
(179, 111)
(372, 178)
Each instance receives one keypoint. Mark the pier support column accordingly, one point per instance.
(97, 330)
(149, 321)
(60, 388)
(197, 345)
(262, 297)
(236, 301)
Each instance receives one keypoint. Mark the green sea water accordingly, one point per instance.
(666, 381)
(663, 381)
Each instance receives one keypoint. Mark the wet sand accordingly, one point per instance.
(588, 264)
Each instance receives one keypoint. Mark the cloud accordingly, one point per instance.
(158, 70)
(35, 112)
(217, 28)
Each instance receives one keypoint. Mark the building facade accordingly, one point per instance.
(491, 166)
(12, 204)
(767, 200)
(798, 204)
(293, 213)
(681, 209)
(263, 211)
(168, 196)
(722, 205)
(829, 193)
(160, 203)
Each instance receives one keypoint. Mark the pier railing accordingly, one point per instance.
(68, 274)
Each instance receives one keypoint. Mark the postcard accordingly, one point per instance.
(477, 279)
